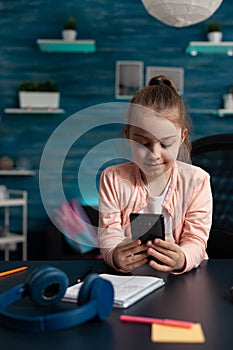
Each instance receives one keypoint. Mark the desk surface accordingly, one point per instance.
(202, 295)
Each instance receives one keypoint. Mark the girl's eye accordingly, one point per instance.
(164, 145)
(143, 143)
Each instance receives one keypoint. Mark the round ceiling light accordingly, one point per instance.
(181, 13)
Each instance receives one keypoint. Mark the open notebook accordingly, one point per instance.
(127, 289)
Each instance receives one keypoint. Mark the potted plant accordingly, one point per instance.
(69, 32)
(33, 94)
(214, 33)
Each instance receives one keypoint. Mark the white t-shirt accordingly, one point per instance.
(155, 206)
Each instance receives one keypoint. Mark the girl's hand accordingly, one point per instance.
(168, 253)
(129, 256)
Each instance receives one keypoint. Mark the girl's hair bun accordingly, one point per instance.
(162, 80)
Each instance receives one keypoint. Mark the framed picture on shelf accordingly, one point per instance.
(128, 78)
(176, 73)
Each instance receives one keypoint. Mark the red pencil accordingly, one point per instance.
(150, 320)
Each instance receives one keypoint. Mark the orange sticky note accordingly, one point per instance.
(168, 334)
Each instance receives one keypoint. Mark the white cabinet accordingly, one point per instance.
(8, 239)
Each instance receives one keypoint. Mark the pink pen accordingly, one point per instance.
(150, 320)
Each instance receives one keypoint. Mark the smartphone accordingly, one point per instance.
(147, 227)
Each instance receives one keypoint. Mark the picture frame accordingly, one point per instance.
(128, 78)
(176, 73)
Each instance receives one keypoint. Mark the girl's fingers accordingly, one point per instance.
(129, 245)
(131, 255)
(134, 261)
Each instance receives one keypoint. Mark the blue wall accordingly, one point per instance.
(123, 30)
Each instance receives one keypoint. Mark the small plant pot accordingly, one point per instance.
(214, 37)
(69, 34)
(6, 163)
(228, 101)
(47, 100)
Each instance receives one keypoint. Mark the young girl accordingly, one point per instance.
(159, 180)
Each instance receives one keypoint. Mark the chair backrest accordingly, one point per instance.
(215, 155)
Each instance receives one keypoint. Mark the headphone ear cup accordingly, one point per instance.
(85, 290)
(47, 285)
(99, 290)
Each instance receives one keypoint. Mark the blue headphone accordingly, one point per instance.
(46, 286)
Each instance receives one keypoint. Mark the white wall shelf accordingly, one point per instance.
(33, 111)
(17, 172)
(8, 239)
(202, 111)
(224, 112)
(217, 112)
(78, 46)
(196, 47)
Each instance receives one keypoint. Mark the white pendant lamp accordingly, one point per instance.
(181, 13)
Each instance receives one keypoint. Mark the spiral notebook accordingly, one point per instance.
(127, 289)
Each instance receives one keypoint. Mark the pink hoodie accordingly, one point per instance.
(188, 201)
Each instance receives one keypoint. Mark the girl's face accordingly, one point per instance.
(155, 143)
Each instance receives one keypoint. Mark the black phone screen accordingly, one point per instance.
(147, 226)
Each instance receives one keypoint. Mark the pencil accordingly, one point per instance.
(10, 272)
(167, 322)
